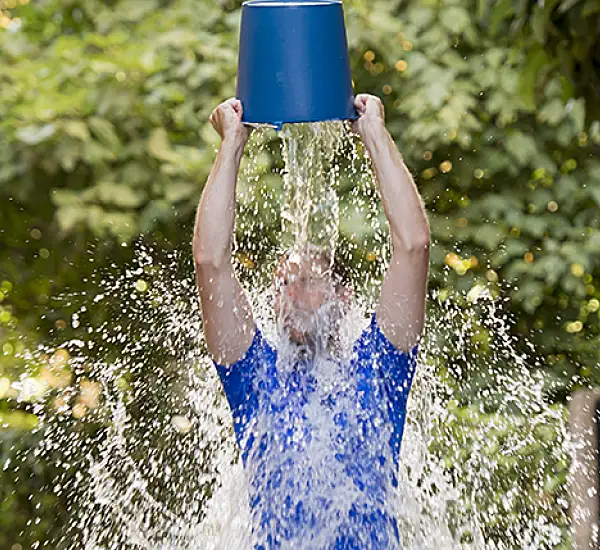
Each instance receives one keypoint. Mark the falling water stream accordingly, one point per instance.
(143, 434)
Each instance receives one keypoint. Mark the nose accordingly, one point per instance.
(295, 291)
(299, 295)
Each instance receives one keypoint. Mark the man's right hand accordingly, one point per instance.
(227, 121)
(371, 117)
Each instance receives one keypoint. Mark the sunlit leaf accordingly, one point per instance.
(32, 135)
(104, 131)
(160, 147)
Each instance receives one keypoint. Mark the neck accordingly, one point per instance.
(322, 340)
(314, 344)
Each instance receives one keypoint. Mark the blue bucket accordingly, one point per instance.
(293, 62)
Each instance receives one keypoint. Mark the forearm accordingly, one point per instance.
(401, 200)
(215, 219)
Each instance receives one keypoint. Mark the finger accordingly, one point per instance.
(361, 103)
(358, 105)
(235, 108)
(371, 99)
(378, 104)
(226, 105)
(237, 105)
(364, 98)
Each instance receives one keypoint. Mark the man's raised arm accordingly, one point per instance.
(226, 312)
(401, 308)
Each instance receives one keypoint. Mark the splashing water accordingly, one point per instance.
(310, 212)
(143, 433)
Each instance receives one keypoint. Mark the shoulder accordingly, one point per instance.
(238, 378)
(373, 343)
(259, 349)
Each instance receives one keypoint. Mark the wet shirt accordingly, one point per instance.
(320, 441)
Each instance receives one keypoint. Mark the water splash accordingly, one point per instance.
(142, 432)
(310, 211)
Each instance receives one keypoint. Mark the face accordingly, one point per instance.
(305, 295)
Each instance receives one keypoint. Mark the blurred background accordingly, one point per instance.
(105, 146)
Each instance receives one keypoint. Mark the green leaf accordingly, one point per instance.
(595, 193)
(552, 112)
(178, 37)
(590, 8)
(501, 11)
(179, 190)
(77, 129)
(105, 133)
(522, 147)
(550, 268)
(120, 195)
(134, 10)
(488, 235)
(65, 197)
(539, 23)
(537, 60)
(160, 147)
(120, 224)
(436, 93)
(68, 154)
(421, 17)
(566, 5)
(7, 172)
(155, 212)
(95, 154)
(455, 19)
(70, 216)
(34, 134)
(576, 107)
(593, 169)
(534, 225)
(531, 294)
(566, 187)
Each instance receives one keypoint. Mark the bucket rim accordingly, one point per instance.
(289, 3)
(278, 125)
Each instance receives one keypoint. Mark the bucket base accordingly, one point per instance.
(277, 126)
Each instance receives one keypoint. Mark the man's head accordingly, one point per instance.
(311, 294)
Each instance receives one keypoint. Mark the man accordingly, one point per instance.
(320, 436)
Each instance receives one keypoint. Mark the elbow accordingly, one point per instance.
(207, 260)
(417, 242)
(210, 264)
(421, 241)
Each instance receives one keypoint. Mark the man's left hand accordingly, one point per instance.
(371, 116)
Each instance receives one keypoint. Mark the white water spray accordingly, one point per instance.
(152, 463)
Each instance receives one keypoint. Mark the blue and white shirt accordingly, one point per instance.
(320, 441)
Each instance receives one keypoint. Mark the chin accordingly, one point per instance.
(296, 335)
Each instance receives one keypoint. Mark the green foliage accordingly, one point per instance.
(505, 459)
(104, 139)
(110, 107)
(29, 509)
(105, 134)
(557, 34)
(512, 193)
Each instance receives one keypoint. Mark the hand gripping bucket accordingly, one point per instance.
(293, 62)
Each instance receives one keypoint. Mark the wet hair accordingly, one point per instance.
(340, 272)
